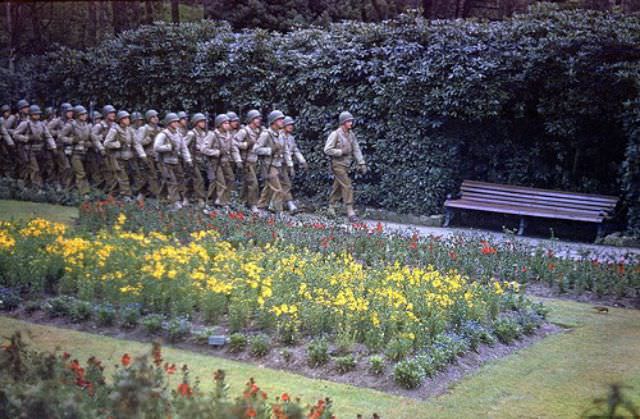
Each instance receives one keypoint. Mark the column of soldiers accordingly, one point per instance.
(181, 162)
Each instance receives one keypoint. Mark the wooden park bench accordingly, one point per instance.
(531, 202)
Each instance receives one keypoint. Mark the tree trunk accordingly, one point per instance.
(92, 27)
(148, 16)
(175, 11)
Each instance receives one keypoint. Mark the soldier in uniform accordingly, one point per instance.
(7, 146)
(94, 159)
(123, 148)
(12, 122)
(296, 155)
(170, 148)
(342, 147)
(77, 136)
(245, 139)
(146, 134)
(229, 153)
(234, 123)
(136, 120)
(35, 137)
(193, 141)
(63, 173)
(272, 147)
(184, 123)
(98, 134)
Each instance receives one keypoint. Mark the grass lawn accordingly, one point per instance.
(21, 210)
(557, 377)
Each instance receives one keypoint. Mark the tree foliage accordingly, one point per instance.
(537, 99)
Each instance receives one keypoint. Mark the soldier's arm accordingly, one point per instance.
(295, 151)
(287, 155)
(137, 145)
(160, 145)
(19, 134)
(110, 141)
(96, 138)
(235, 152)
(184, 150)
(239, 140)
(191, 136)
(260, 147)
(141, 136)
(51, 143)
(54, 127)
(357, 153)
(66, 135)
(10, 122)
(330, 148)
(207, 146)
(5, 136)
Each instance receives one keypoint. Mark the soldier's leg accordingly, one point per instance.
(152, 177)
(33, 168)
(63, 169)
(250, 184)
(198, 184)
(221, 185)
(122, 177)
(285, 182)
(274, 184)
(79, 173)
(171, 180)
(211, 176)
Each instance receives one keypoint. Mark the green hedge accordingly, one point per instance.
(538, 99)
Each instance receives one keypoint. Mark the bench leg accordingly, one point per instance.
(448, 216)
(600, 232)
(523, 226)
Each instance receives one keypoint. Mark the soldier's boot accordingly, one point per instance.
(254, 209)
(292, 207)
(331, 210)
(351, 214)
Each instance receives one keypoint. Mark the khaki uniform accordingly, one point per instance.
(76, 136)
(342, 147)
(21, 154)
(151, 174)
(7, 147)
(210, 151)
(277, 158)
(195, 182)
(36, 140)
(103, 160)
(298, 157)
(224, 177)
(245, 139)
(60, 158)
(170, 148)
(123, 149)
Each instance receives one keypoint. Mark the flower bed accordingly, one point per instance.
(43, 385)
(271, 293)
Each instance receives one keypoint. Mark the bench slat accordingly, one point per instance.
(543, 192)
(516, 210)
(543, 199)
(532, 203)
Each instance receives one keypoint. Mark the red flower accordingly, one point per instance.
(250, 412)
(66, 356)
(551, 266)
(125, 360)
(487, 249)
(379, 228)
(453, 255)
(185, 390)
(285, 397)
(170, 369)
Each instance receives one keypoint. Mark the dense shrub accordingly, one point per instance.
(435, 102)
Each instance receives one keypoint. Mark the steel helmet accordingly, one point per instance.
(121, 115)
(66, 107)
(22, 104)
(171, 117)
(79, 110)
(183, 115)
(150, 114)
(34, 110)
(344, 117)
(49, 110)
(253, 114)
(288, 120)
(108, 109)
(221, 119)
(274, 116)
(197, 118)
(136, 116)
(5, 108)
(97, 115)
(232, 116)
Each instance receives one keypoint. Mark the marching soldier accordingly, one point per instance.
(184, 123)
(77, 136)
(136, 120)
(229, 153)
(245, 139)
(194, 140)
(273, 149)
(94, 158)
(146, 134)
(121, 143)
(98, 134)
(170, 148)
(35, 137)
(7, 160)
(234, 123)
(342, 147)
(12, 122)
(63, 173)
(296, 155)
